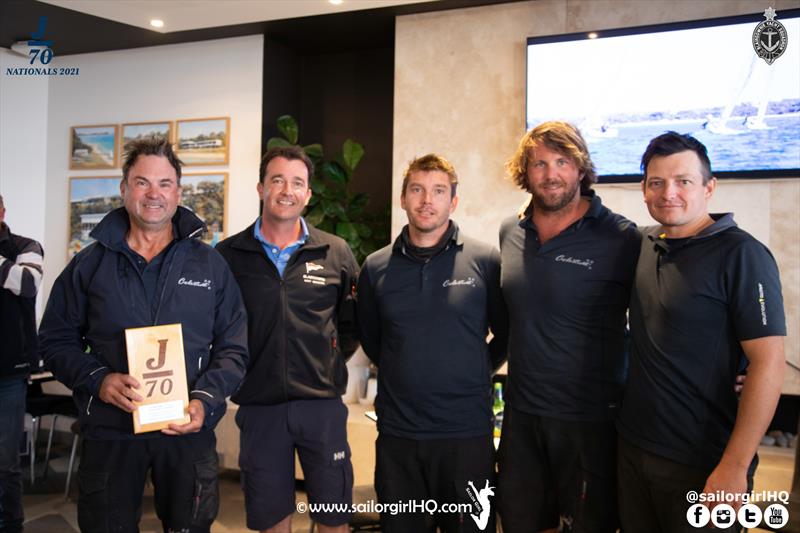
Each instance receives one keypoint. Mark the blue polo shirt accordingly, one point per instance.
(279, 257)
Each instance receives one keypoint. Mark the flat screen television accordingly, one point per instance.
(623, 87)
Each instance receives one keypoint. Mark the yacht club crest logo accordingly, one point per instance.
(769, 37)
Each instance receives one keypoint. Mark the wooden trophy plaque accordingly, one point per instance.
(156, 360)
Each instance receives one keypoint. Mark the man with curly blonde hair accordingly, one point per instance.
(568, 266)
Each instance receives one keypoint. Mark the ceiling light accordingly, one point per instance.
(157, 23)
(335, 2)
(592, 35)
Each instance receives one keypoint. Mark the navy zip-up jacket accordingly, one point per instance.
(302, 326)
(101, 293)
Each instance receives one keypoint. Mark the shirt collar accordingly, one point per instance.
(260, 238)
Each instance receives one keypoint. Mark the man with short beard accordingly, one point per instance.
(568, 266)
(425, 306)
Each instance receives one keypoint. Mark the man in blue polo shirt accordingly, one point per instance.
(298, 285)
(568, 266)
(706, 301)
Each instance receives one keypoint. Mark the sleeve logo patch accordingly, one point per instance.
(762, 302)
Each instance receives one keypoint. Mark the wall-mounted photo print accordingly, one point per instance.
(139, 130)
(206, 195)
(93, 147)
(90, 199)
(203, 141)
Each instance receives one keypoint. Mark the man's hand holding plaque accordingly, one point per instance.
(157, 368)
(118, 390)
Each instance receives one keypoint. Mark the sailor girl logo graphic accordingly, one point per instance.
(769, 38)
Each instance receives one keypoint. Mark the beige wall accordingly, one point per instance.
(460, 91)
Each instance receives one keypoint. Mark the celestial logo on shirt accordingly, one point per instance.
(769, 38)
(469, 282)
(205, 284)
(586, 263)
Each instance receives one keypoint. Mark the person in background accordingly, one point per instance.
(20, 277)
(425, 306)
(299, 289)
(706, 302)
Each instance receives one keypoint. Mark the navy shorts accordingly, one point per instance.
(270, 434)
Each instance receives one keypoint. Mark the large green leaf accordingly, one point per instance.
(335, 172)
(317, 186)
(364, 231)
(347, 231)
(352, 152)
(288, 128)
(334, 209)
(275, 142)
(315, 217)
(314, 151)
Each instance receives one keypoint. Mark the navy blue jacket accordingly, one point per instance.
(101, 293)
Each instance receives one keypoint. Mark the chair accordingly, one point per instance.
(39, 405)
(76, 435)
(31, 427)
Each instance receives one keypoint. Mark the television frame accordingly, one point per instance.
(754, 18)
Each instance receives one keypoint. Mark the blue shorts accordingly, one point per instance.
(270, 434)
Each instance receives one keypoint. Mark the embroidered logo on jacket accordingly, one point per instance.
(470, 281)
(205, 284)
(311, 267)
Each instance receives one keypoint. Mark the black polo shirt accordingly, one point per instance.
(567, 300)
(425, 323)
(693, 303)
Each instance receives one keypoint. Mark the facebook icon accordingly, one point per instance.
(698, 515)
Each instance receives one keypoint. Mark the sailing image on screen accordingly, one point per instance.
(626, 88)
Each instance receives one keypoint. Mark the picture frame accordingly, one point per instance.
(93, 147)
(206, 194)
(203, 141)
(137, 130)
(90, 199)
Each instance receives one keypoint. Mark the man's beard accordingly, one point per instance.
(557, 203)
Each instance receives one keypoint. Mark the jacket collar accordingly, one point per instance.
(5, 232)
(456, 239)
(111, 231)
(722, 222)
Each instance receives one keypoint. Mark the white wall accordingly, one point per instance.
(23, 146)
(191, 80)
(23, 149)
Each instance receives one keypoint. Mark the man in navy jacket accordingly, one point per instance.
(147, 268)
(298, 284)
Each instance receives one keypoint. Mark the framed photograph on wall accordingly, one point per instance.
(203, 141)
(90, 199)
(137, 130)
(207, 195)
(93, 147)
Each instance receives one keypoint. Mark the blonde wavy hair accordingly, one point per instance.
(556, 135)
